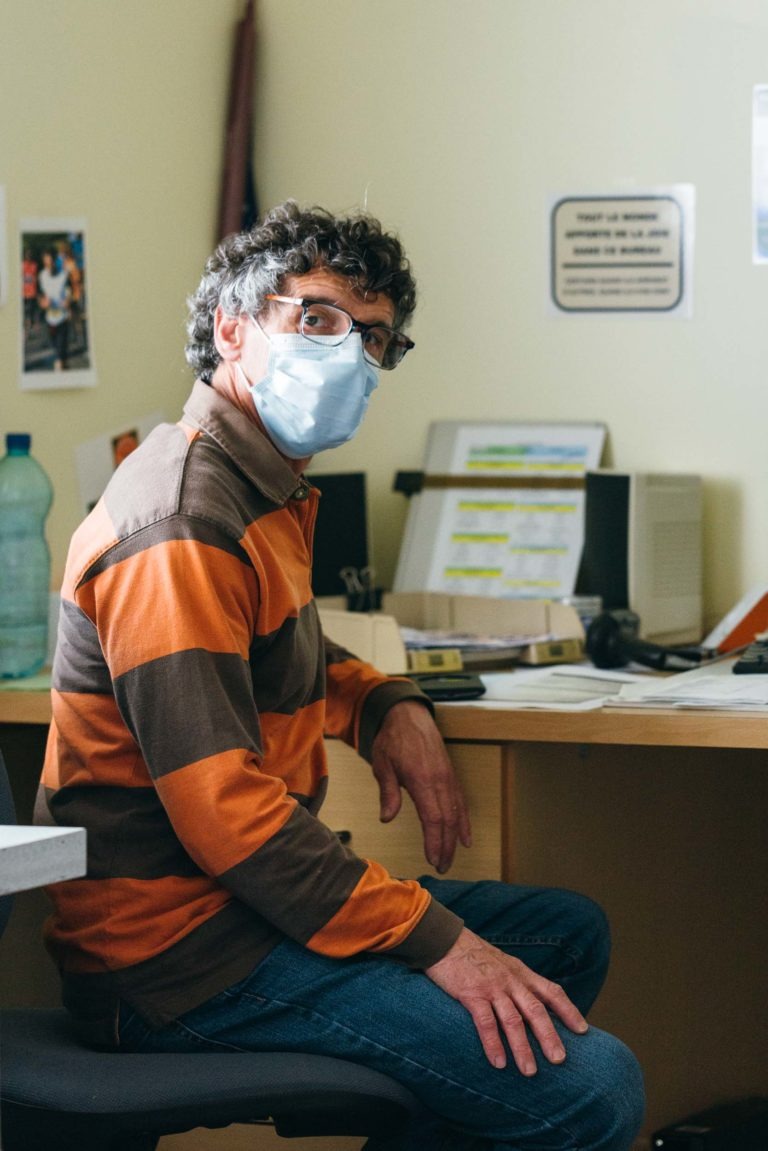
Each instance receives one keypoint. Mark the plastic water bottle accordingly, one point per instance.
(25, 561)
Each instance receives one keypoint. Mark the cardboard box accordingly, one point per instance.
(372, 636)
(375, 636)
(485, 615)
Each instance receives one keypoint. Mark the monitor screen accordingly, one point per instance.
(341, 532)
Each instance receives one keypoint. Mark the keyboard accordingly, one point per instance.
(753, 660)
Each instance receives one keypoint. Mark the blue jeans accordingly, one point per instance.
(380, 1013)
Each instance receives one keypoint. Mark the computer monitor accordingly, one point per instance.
(341, 531)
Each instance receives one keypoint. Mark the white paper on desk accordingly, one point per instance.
(523, 541)
(417, 638)
(565, 687)
(709, 687)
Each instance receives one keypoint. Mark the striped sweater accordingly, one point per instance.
(192, 688)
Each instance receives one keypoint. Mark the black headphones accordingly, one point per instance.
(612, 642)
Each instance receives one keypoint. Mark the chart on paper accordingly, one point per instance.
(502, 510)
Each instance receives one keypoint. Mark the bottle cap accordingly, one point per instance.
(18, 441)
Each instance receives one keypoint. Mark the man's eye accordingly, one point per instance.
(376, 339)
(325, 320)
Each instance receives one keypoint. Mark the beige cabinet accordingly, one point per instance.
(353, 805)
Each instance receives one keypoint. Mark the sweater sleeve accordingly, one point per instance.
(359, 696)
(175, 623)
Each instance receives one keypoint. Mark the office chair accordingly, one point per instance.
(59, 1094)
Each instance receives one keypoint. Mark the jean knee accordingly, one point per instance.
(629, 1107)
(594, 929)
(614, 1114)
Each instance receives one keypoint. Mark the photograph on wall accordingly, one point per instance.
(55, 333)
(760, 174)
(96, 459)
(3, 251)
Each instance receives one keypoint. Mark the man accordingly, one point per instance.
(192, 691)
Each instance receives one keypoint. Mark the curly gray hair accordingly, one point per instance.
(290, 240)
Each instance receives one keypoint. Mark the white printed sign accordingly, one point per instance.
(628, 253)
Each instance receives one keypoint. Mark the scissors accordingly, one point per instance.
(360, 585)
(355, 591)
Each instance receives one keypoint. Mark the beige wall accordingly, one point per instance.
(458, 119)
(113, 111)
(455, 120)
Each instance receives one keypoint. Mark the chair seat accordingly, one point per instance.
(46, 1073)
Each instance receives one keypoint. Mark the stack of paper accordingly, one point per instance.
(564, 688)
(471, 650)
(710, 686)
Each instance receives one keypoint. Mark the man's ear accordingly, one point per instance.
(228, 335)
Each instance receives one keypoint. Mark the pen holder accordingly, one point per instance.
(369, 599)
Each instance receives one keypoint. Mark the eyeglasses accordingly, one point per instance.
(325, 323)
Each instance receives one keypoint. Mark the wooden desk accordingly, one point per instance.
(661, 817)
(475, 724)
(17, 706)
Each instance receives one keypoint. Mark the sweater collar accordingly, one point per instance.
(244, 443)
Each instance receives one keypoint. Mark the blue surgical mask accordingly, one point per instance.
(314, 395)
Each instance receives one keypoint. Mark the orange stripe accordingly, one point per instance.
(349, 684)
(173, 596)
(91, 743)
(118, 922)
(94, 536)
(279, 554)
(223, 808)
(292, 750)
(377, 898)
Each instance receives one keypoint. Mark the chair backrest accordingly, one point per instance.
(7, 816)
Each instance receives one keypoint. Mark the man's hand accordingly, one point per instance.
(500, 992)
(409, 752)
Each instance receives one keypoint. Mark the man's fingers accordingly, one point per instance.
(556, 999)
(516, 1035)
(438, 845)
(507, 1001)
(441, 834)
(487, 1030)
(445, 823)
(390, 798)
(540, 1022)
(465, 826)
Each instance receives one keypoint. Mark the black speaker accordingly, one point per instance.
(738, 1126)
(612, 642)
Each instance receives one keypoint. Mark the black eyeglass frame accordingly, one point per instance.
(397, 339)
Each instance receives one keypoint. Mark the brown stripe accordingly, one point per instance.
(287, 665)
(177, 528)
(215, 487)
(152, 488)
(218, 953)
(78, 664)
(129, 835)
(151, 701)
(299, 878)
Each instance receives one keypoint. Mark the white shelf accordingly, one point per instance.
(33, 856)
